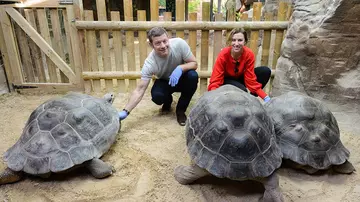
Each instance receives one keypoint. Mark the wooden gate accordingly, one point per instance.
(40, 47)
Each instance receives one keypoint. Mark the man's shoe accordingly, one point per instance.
(181, 118)
(166, 108)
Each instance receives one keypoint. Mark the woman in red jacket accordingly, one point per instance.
(235, 65)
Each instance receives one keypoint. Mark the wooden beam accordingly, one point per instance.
(154, 10)
(4, 54)
(133, 75)
(204, 47)
(48, 88)
(43, 45)
(104, 41)
(254, 36)
(180, 16)
(279, 34)
(218, 39)
(77, 38)
(199, 25)
(193, 35)
(11, 47)
(38, 4)
(45, 33)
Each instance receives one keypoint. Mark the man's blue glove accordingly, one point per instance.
(266, 99)
(123, 114)
(175, 76)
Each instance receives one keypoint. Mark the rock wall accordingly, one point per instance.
(321, 51)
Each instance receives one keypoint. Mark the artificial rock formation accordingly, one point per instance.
(321, 51)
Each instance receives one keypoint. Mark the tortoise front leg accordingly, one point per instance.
(272, 190)
(99, 168)
(10, 176)
(345, 168)
(188, 174)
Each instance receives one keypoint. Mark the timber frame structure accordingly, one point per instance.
(52, 47)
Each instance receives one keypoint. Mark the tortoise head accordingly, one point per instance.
(109, 97)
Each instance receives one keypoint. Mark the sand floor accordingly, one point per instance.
(147, 150)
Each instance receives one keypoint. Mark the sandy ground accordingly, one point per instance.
(148, 148)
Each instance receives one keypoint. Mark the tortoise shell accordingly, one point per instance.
(306, 131)
(229, 133)
(64, 132)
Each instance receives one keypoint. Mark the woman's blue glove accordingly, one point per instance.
(266, 99)
(175, 76)
(123, 114)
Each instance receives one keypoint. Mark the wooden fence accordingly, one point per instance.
(62, 48)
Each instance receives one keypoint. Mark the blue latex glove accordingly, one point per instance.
(266, 99)
(122, 115)
(175, 76)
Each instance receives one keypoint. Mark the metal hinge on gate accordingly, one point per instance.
(22, 86)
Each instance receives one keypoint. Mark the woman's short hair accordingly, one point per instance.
(235, 31)
(155, 32)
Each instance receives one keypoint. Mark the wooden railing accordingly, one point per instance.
(108, 54)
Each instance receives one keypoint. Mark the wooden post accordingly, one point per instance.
(254, 36)
(266, 42)
(24, 49)
(118, 49)
(279, 34)
(154, 10)
(11, 48)
(244, 17)
(142, 38)
(130, 43)
(230, 14)
(57, 45)
(180, 15)
(266, 49)
(204, 46)
(104, 40)
(68, 38)
(167, 17)
(218, 39)
(39, 67)
(45, 33)
(193, 34)
(77, 37)
(5, 57)
(91, 55)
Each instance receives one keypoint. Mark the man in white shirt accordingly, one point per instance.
(174, 65)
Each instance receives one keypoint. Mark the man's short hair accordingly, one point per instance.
(155, 32)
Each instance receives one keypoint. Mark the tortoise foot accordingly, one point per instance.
(345, 168)
(188, 174)
(99, 168)
(272, 190)
(273, 196)
(10, 176)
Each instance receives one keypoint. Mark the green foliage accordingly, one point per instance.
(193, 5)
(162, 3)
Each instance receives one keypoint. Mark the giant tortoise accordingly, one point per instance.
(308, 133)
(64, 133)
(229, 135)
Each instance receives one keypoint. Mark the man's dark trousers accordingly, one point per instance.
(161, 91)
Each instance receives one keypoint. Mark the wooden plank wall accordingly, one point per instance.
(120, 50)
(129, 58)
